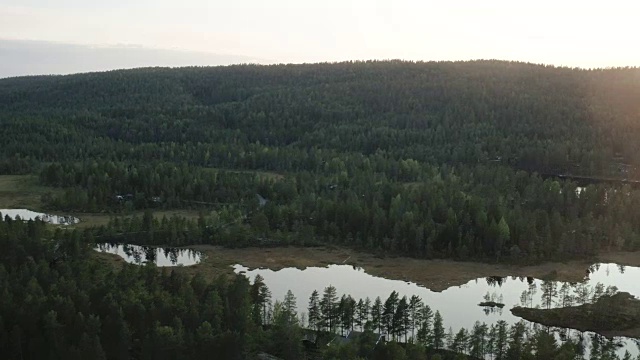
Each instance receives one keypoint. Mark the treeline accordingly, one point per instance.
(98, 185)
(429, 160)
(531, 116)
(412, 330)
(58, 302)
(488, 213)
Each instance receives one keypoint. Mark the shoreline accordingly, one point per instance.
(610, 316)
(436, 275)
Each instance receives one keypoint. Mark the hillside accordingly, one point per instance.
(541, 118)
(430, 159)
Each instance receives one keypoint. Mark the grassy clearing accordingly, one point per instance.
(22, 191)
(112, 261)
(88, 220)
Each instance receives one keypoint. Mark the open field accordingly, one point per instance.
(21, 191)
(437, 275)
(88, 220)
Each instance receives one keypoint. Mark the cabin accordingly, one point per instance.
(353, 335)
(310, 338)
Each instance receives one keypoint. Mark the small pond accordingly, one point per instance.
(25, 214)
(162, 257)
(458, 305)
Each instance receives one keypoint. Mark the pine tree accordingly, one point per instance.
(328, 308)
(460, 341)
(376, 314)
(438, 334)
(581, 293)
(478, 340)
(516, 341)
(598, 292)
(260, 296)
(401, 318)
(347, 310)
(565, 299)
(491, 341)
(546, 347)
(290, 308)
(424, 327)
(449, 338)
(362, 312)
(315, 315)
(503, 236)
(415, 307)
(500, 347)
(388, 314)
(549, 292)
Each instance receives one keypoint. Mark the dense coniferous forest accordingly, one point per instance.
(428, 159)
(482, 160)
(60, 303)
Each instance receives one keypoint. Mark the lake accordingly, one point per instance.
(25, 214)
(162, 257)
(458, 305)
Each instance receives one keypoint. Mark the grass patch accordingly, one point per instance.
(88, 220)
(111, 261)
(22, 192)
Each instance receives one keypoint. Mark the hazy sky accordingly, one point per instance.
(573, 33)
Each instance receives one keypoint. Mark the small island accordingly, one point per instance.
(491, 304)
(610, 316)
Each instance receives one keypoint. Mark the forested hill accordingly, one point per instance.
(429, 160)
(529, 116)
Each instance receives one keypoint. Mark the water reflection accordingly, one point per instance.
(496, 280)
(140, 255)
(459, 305)
(24, 214)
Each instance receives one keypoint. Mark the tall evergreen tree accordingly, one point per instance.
(377, 314)
(329, 308)
(314, 311)
(438, 333)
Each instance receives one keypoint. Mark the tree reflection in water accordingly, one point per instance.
(161, 257)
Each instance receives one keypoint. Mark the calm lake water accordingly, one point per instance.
(458, 305)
(162, 257)
(25, 214)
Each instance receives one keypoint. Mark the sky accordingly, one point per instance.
(564, 33)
